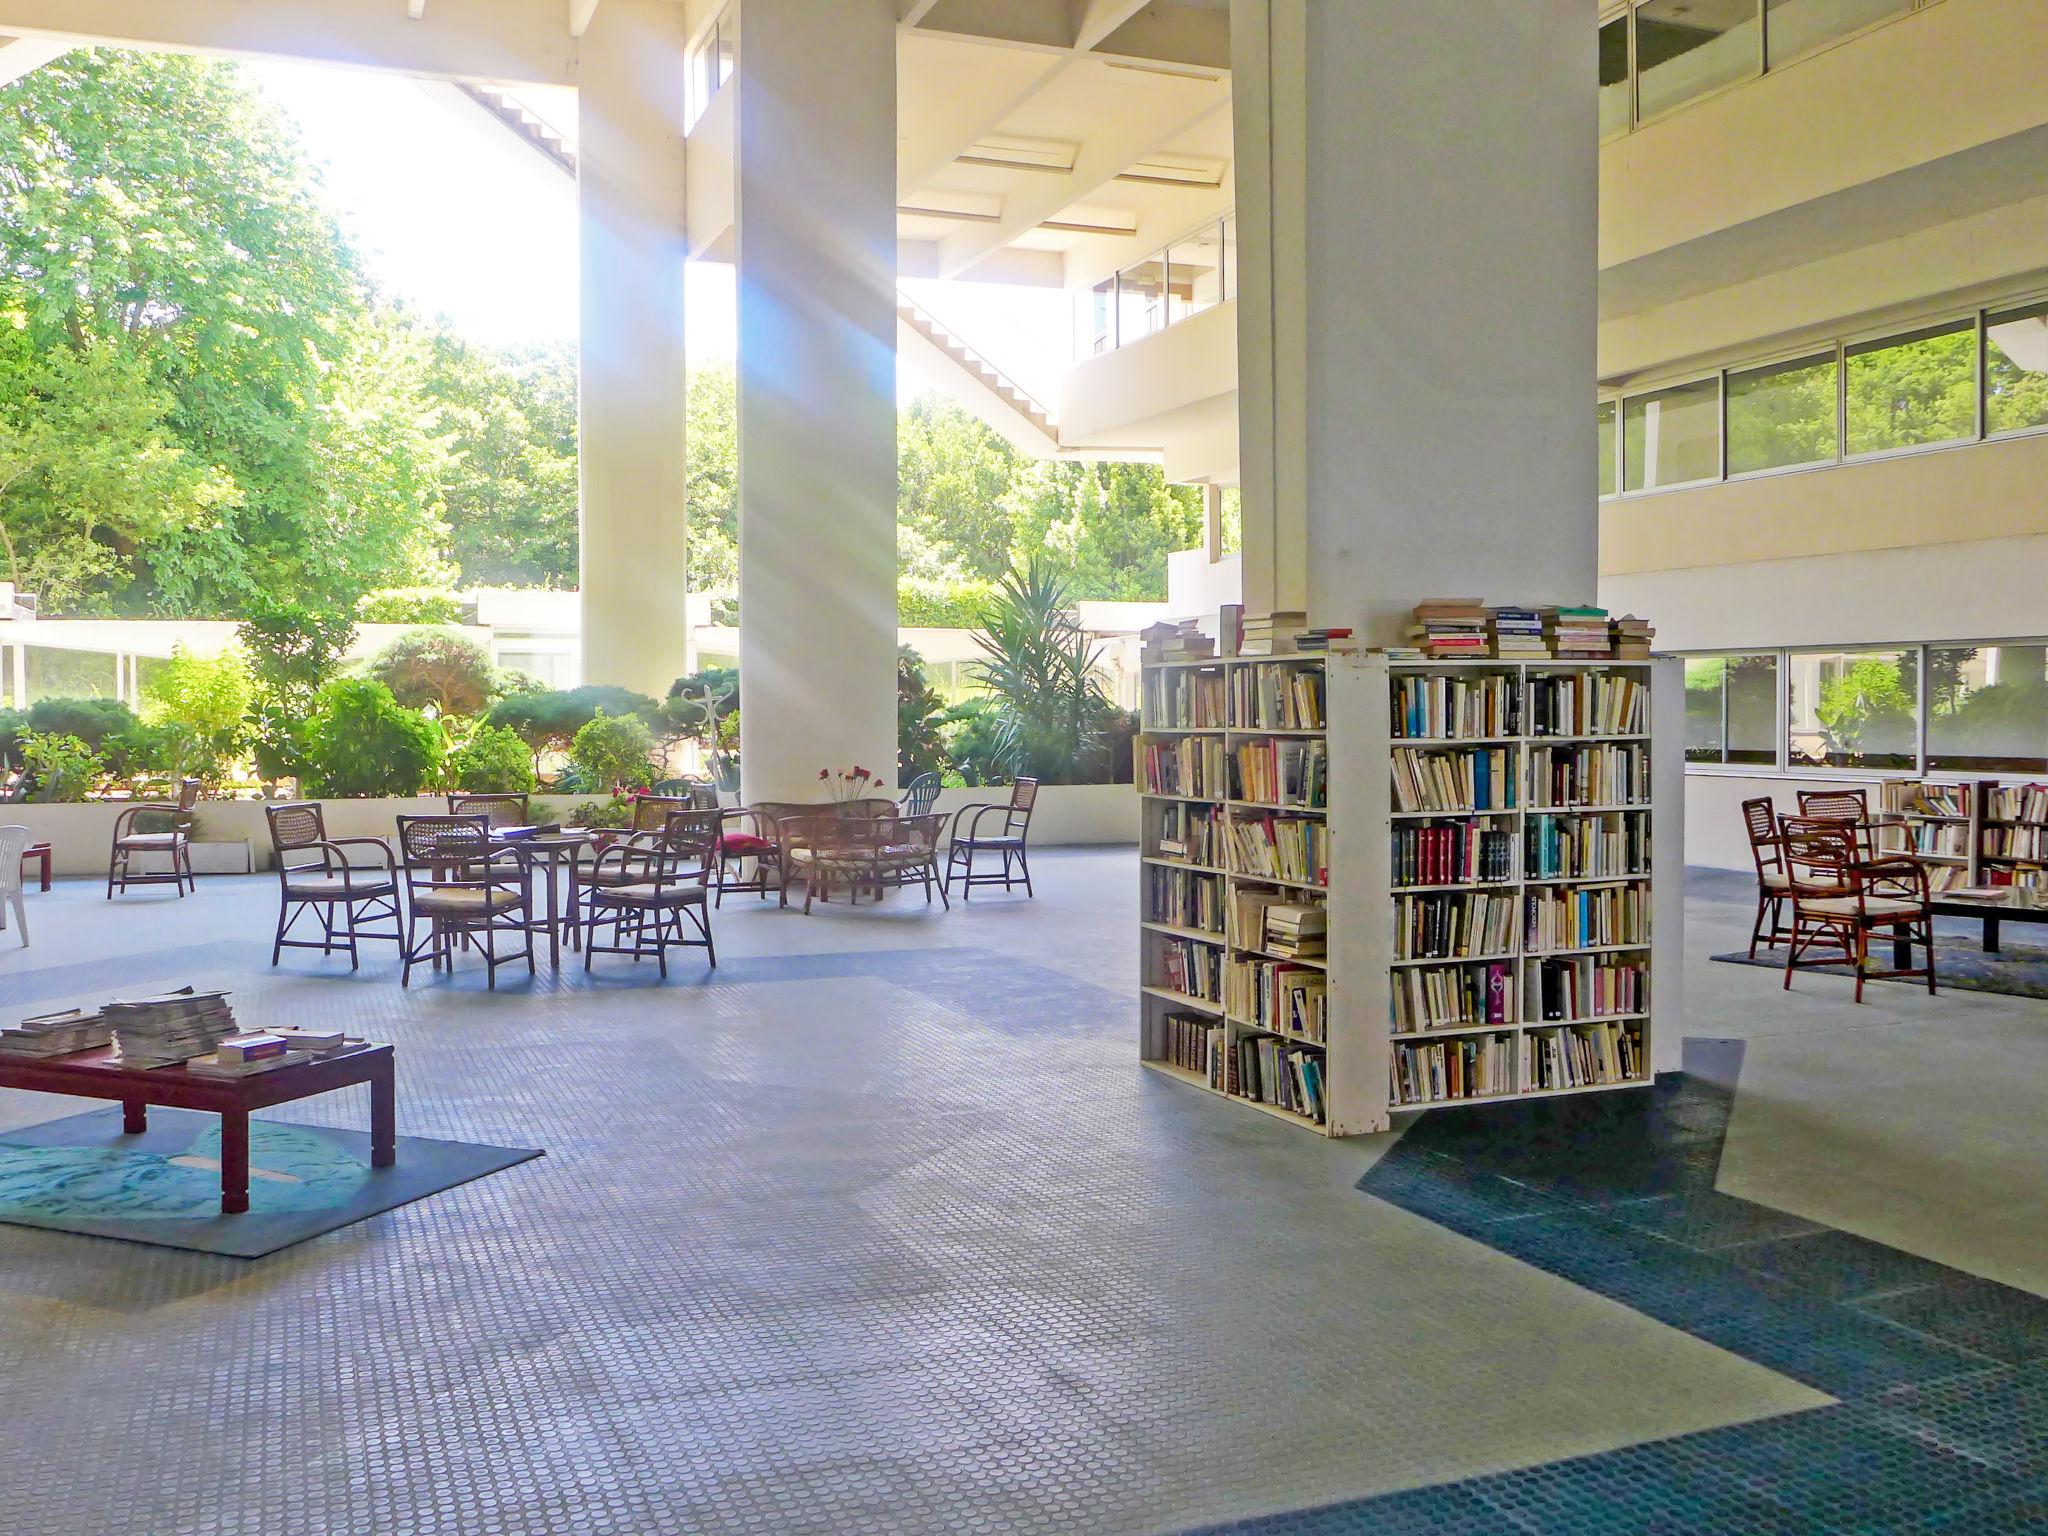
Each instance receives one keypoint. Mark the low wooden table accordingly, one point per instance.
(99, 1074)
(2016, 904)
(40, 853)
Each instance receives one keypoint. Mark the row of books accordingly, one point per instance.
(1570, 847)
(1904, 797)
(1588, 704)
(57, 1034)
(1464, 628)
(1516, 633)
(1948, 838)
(1453, 853)
(1184, 698)
(1429, 997)
(1271, 1071)
(2017, 802)
(2017, 842)
(1184, 898)
(1191, 833)
(1278, 995)
(1468, 1067)
(1293, 848)
(1278, 697)
(1280, 923)
(1441, 706)
(1578, 633)
(1585, 915)
(1466, 924)
(1471, 779)
(1182, 1039)
(1561, 777)
(1183, 641)
(1282, 771)
(1188, 967)
(1195, 765)
(171, 1028)
(1584, 1057)
(1588, 988)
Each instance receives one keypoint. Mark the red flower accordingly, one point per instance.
(824, 773)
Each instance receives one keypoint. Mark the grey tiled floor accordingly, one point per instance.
(878, 1229)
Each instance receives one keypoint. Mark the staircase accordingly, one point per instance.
(976, 382)
(502, 106)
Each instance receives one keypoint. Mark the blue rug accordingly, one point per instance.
(82, 1175)
(2020, 970)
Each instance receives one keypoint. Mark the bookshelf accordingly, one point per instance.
(1506, 829)
(1970, 833)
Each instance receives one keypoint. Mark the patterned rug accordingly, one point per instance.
(2019, 970)
(81, 1174)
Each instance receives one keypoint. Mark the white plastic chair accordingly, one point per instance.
(14, 842)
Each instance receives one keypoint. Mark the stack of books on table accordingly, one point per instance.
(1272, 634)
(1450, 628)
(1342, 641)
(162, 1031)
(1632, 637)
(318, 1042)
(1176, 642)
(56, 1034)
(246, 1055)
(1299, 932)
(1577, 634)
(1517, 634)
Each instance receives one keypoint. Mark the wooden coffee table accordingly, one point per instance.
(98, 1074)
(2013, 904)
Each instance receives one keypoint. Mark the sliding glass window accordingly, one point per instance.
(1987, 708)
(1140, 300)
(1688, 48)
(1731, 708)
(1614, 77)
(2016, 370)
(1610, 458)
(1794, 27)
(1853, 709)
(1672, 437)
(1912, 390)
(1782, 415)
(1194, 274)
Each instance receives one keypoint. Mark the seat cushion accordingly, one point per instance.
(141, 840)
(990, 842)
(744, 845)
(648, 894)
(463, 901)
(1775, 880)
(333, 887)
(1875, 906)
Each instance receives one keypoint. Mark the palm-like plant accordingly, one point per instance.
(1042, 673)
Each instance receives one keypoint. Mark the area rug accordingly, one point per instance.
(2020, 970)
(81, 1174)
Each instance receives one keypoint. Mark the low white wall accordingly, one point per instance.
(232, 838)
(1714, 831)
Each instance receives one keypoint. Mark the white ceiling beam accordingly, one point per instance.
(19, 55)
(1094, 20)
(580, 12)
(415, 8)
(1189, 37)
(970, 126)
(910, 12)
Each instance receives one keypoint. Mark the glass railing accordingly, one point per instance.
(1194, 273)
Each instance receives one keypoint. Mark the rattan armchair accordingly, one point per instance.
(1838, 899)
(316, 877)
(664, 877)
(1004, 837)
(919, 795)
(465, 888)
(1766, 851)
(174, 844)
(497, 810)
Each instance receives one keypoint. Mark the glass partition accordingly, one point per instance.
(1731, 708)
(1672, 436)
(2016, 369)
(1614, 77)
(1610, 446)
(1140, 299)
(1793, 27)
(1687, 48)
(1194, 274)
(1782, 414)
(1987, 708)
(1911, 390)
(1853, 709)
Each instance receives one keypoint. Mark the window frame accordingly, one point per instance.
(1797, 354)
(2038, 299)
(1917, 330)
(1615, 401)
(1903, 8)
(1638, 117)
(1720, 380)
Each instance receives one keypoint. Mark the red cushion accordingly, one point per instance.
(744, 844)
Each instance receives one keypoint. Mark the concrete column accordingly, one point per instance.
(815, 207)
(1417, 314)
(633, 383)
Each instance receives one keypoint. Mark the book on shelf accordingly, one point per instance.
(1196, 766)
(1586, 987)
(1296, 929)
(1294, 849)
(2016, 802)
(1184, 898)
(1270, 634)
(1517, 634)
(1585, 916)
(1467, 1067)
(1631, 637)
(1425, 997)
(1454, 925)
(1450, 628)
(1568, 845)
(1192, 834)
(1440, 706)
(1473, 851)
(1270, 1071)
(1578, 633)
(1584, 1056)
(1451, 781)
(1281, 772)
(1175, 642)
(1230, 629)
(1587, 704)
(1183, 698)
(1188, 966)
(1277, 995)
(1561, 778)
(1182, 1040)
(1278, 697)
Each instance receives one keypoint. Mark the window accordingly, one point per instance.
(1194, 273)
(1782, 414)
(709, 64)
(1793, 27)
(1987, 708)
(1096, 318)
(59, 674)
(1230, 257)
(1687, 48)
(1853, 709)
(2016, 370)
(1140, 299)
(1907, 391)
(1614, 79)
(1731, 709)
(1672, 437)
(1604, 415)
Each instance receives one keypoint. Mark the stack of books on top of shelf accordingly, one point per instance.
(1517, 634)
(1297, 931)
(1176, 642)
(1632, 637)
(1272, 634)
(162, 1031)
(1342, 641)
(1577, 634)
(1450, 628)
(246, 1055)
(56, 1034)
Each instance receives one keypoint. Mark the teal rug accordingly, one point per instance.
(81, 1174)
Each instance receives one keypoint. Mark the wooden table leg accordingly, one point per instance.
(1990, 935)
(234, 1161)
(383, 1118)
(43, 868)
(134, 1117)
(1902, 948)
(554, 917)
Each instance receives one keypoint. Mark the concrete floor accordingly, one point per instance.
(881, 1228)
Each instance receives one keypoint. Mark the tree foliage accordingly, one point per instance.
(439, 667)
(198, 707)
(493, 761)
(362, 741)
(1052, 714)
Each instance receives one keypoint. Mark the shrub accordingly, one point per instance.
(974, 742)
(196, 709)
(493, 761)
(292, 651)
(920, 712)
(550, 721)
(59, 768)
(450, 671)
(409, 605)
(615, 814)
(613, 750)
(925, 603)
(92, 721)
(362, 741)
(1043, 673)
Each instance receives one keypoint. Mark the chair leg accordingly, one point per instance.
(277, 944)
(1024, 863)
(355, 960)
(20, 905)
(1862, 954)
(1763, 901)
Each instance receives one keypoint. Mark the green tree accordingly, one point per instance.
(493, 761)
(920, 719)
(199, 708)
(438, 667)
(292, 650)
(548, 722)
(362, 741)
(613, 750)
(714, 484)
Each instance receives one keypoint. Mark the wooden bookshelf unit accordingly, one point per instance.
(1480, 838)
(1969, 832)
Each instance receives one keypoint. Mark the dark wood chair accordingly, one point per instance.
(1850, 807)
(174, 843)
(462, 886)
(751, 836)
(1006, 841)
(314, 875)
(1840, 898)
(1760, 818)
(667, 878)
(498, 810)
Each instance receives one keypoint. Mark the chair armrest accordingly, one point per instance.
(336, 846)
(973, 815)
(135, 808)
